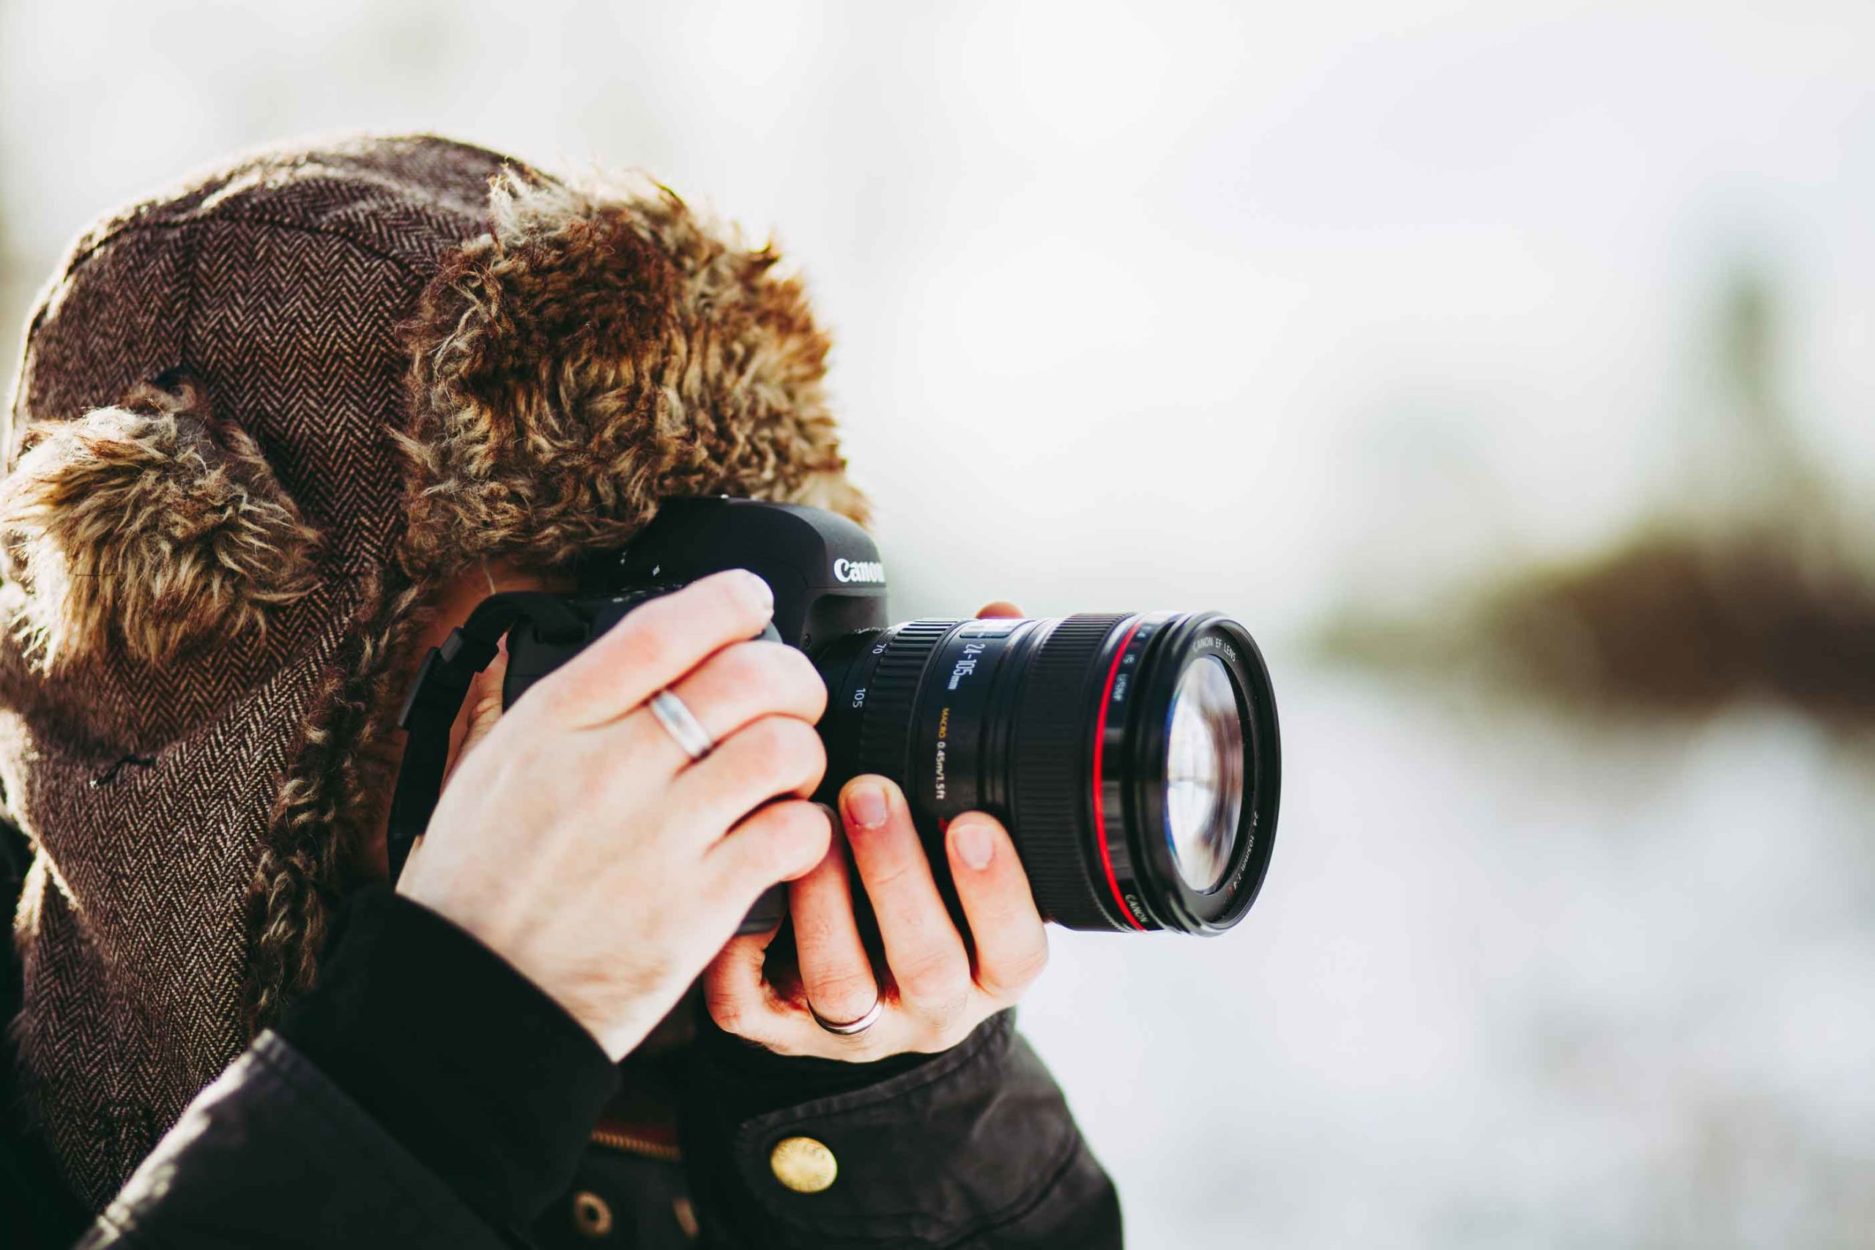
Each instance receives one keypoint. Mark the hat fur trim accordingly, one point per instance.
(148, 526)
(602, 348)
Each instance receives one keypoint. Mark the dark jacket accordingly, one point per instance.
(428, 1095)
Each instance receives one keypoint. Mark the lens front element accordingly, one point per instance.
(1204, 772)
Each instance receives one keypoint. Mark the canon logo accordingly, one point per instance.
(859, 570)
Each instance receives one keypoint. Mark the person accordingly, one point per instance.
(275, 431)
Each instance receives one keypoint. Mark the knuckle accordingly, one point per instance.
(936, 980)
(764, 858)
(784, 841)
(722, 1007)
(781, 843)
(742, 665)
(653, 647)
(730, 598)
(804, 680)
(788, 751)
(846, 994)
(1013, 975)
(776, 677)
(587, 781)
(758, 742)
(555, 699)
(807, 822)
(725, 1011)
(1032, 964)
(719, 604)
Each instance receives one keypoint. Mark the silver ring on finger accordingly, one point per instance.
(681, 724)
(851, 1028)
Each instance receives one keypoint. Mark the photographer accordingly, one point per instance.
(276, 432)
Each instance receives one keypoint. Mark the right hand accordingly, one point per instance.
(576, 839)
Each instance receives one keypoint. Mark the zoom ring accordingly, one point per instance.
(1050, 803)
(885, 727)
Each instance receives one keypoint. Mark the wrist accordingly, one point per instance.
(616, 1011)
(468, 1063)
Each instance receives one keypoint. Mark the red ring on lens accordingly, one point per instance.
(1100, 738)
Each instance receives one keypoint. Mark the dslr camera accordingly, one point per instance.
(1133, 756)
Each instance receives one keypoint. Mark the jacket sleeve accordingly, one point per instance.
(425, 1094)
(973, 1147)
(273, 1153)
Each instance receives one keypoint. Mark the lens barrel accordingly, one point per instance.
(1071, 731)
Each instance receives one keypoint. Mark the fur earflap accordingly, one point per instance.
(148, 526)
(599, 349)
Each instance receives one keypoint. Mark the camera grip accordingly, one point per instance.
(767, 911)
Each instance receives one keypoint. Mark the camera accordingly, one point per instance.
(1133, 756)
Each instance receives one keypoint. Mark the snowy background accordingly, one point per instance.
(1299, 312)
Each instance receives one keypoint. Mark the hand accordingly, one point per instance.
(932, 989)
(577, 840)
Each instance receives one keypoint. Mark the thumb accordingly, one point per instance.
(481, 708)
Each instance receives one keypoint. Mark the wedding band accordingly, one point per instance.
(681, 724)
(851, 1027)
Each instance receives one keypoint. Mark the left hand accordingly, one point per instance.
(932, 991)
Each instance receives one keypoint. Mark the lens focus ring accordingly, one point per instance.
(885, 728)
(1051, 803)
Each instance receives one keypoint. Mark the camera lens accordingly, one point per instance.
(1204, 772)
(1134, 757)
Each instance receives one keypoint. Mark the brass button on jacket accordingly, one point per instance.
(592, 1215)
(804, 1165)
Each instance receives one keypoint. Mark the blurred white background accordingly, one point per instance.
(1291, 311)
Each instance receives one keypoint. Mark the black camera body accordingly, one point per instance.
(825, 571)
(1134, 756)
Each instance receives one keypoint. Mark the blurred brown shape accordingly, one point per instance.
(1678, 625)
(1745, 584)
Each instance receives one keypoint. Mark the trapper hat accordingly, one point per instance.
(258, 420)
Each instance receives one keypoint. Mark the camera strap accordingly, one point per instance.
(436, 697)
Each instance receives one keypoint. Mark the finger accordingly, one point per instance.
(740, 684)
(1000, 608)
(481, 708)
(413, 855)
(922, 946)
(780, 842)
(742, 1001)
(836, 972)
(653, 646)
(738, 997)
(1007, 930)
(770, 756)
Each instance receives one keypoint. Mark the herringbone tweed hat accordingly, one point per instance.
(258, 419)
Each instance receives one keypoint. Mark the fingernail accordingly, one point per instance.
(866, 805)
(974, 844)
(758, 592)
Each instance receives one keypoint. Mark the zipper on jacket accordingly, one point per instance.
(631, 1144)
